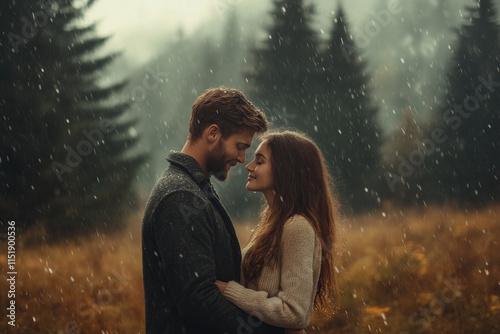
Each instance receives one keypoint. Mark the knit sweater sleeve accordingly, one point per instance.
(290, 308)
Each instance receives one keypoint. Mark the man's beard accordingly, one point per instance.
(216, 163)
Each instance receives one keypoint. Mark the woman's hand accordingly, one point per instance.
(222, 285)
(294, 331)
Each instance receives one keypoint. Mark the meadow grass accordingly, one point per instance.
(414, 271)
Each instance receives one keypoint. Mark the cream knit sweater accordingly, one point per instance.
(284, 296)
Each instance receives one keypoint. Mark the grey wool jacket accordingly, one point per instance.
(188, 241)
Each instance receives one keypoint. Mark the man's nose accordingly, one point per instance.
(241, 157)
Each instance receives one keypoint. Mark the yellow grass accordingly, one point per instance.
(433, 271)
(82, 286)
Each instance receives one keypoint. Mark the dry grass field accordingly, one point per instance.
(420, 271)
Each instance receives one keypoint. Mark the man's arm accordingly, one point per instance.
(184, 234)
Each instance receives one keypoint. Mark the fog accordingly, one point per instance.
(402, 97)
(406, 47)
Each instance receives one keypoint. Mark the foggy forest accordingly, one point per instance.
(401, 96)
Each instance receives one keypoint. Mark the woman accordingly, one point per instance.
(287, 267)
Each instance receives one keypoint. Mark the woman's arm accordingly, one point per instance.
(222, 286)
(290, 308)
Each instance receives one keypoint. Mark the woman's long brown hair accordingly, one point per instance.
(302, 185)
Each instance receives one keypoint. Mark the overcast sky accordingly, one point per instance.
(140, 27)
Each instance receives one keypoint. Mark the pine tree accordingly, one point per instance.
(67, 159)
(347, 126)
(469, 167)
(283, 68)
(231, 52)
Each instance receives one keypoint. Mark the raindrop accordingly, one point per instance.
(383, 317)
(132, 132)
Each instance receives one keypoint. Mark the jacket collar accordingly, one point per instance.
(189, 164)
(193, 168)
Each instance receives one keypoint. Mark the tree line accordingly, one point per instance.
(65, 157)
(451, 158)
(70, 152)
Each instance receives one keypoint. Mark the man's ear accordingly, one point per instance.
(213, 133)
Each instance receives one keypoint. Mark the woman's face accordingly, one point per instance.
(260, 177)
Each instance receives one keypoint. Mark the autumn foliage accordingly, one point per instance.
(417, 271)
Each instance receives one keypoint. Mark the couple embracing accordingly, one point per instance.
(196, 278)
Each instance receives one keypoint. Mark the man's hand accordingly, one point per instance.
(222, 285)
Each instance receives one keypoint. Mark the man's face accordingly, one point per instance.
(227, 153)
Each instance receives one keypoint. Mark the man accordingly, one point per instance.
(188, 240)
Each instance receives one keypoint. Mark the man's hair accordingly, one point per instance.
(229, 109)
